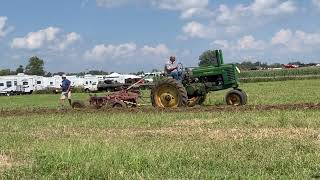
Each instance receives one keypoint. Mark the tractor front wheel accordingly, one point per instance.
(236, 98)
(245, 95)
(169, 93)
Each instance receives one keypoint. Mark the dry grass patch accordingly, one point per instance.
(261, 133)
(194, 122)
(191, 129)
(5, 162)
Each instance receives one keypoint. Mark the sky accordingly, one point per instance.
(134, 35)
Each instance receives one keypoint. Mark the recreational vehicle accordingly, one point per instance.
(9, 86)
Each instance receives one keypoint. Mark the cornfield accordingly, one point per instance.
(280, 75)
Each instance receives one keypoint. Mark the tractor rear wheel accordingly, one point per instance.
(78, 105)
(236, 98)
(169, 93)
(196, 100)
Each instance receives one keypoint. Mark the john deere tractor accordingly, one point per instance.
(197, 83)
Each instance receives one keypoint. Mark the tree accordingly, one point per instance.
(97, 72)
(5, 72)
(208, 58)
(48, 74)
(276, 65)
(140, 73)
(35, 66)
(59, 73)
(20, 69)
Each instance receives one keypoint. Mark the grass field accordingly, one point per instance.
(272, 144)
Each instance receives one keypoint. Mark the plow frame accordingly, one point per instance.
(123, 98)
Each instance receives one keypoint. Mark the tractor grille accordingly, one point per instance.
(231, 74)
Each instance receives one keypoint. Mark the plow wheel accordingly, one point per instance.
(196, 100)
(120, 104)
(98, 103)
(236, 97)
(169, 93)
(78, 105)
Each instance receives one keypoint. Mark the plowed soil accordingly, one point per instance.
(46, 111)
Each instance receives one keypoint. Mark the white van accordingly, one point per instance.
(90, 83)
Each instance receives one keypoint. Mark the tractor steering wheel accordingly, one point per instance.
(180, 67)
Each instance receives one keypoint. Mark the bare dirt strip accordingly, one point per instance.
(147, 109)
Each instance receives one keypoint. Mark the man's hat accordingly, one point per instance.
(64, 76)
(172, 58)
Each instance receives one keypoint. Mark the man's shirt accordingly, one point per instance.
(65, 85)
(170, 65)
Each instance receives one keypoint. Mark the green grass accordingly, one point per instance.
(286, 92)
(162, 145)
(266, 93)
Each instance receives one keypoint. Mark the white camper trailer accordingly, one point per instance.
(28, 83)
(54, 83)
(19, 84)
(9, 86)
(40, 83)
(75, 81)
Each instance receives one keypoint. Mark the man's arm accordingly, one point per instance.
(171, 68)
(69, 88)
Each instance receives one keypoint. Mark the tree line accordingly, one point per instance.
(35, 66)
(208, 58)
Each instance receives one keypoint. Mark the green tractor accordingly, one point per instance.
(197, 83)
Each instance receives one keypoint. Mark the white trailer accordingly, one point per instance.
(9, 86)
(54, 83)
(28, 83)
(40, 83)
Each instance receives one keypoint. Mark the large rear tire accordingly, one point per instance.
(236, 98)
(169, 93)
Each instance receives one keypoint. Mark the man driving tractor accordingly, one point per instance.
(171, 69)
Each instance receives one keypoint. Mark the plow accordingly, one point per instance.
(120, 99)
(190, 90)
